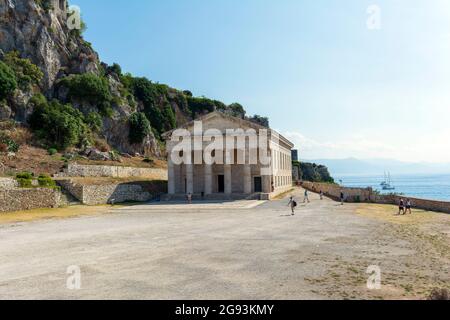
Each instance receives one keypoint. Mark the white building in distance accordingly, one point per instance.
(253, 162)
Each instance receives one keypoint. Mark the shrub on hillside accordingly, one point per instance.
(139, 127)
(90, 88)
(46, 182)
(94, 121)
(263, 121)
(155, 98)
(170, 119)
(148, 92)
(6, 140)
(236, 110)
(313, 172)
(59, 125)
(115, 68)
(27, 74)
(8, 81)
(25, 179)
(52, 151)
(201, 105)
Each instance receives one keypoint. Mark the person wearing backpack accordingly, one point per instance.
(293, 204)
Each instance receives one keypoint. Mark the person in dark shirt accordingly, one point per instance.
(401, 207)
(408, 206)
(293, 204)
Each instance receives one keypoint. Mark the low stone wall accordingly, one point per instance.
(368, 195)
(77, 170)
(8, 183)
(72, 187)
(95, 194)
(334, 191)
(424, 204)
(26, 199)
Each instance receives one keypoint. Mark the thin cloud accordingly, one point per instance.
(430, 148)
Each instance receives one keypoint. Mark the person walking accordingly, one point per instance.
(306, 198)
(293, 204)
(321, 195)
(189, 198)
(408, 206)
(401, 207)
(342, 198)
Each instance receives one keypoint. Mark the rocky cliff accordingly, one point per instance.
(42, 35)
(37, 31)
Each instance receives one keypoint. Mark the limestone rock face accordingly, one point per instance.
(43, 37)
(116, 133)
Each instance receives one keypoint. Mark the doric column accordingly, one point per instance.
(171, 176)
(267, 184)
(247, 179)
(208, 179)
(228, 182)
(190, 179)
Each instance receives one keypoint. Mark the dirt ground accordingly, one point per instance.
(58, 213)
(226, 251)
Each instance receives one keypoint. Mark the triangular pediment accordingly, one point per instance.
(220, 121)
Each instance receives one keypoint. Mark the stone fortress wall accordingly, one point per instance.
(77, 170)
(106, 193)
(111, 192)
(16, 199)
(8, 183)
(368, 195)
(13, 198)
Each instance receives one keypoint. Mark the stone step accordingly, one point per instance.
(216, 196)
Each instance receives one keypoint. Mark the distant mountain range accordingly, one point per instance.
(353, 166)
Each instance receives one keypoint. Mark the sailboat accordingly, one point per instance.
(386, 184)
(384, 181)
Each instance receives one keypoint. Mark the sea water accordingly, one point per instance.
(433, 187)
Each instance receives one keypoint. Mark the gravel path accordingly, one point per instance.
(227, 251)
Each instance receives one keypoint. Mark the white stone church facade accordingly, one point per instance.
(241, 177)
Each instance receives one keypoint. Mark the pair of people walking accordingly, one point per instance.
(404, 207)
(293, 204)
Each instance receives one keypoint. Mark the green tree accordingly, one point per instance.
(27, 73)
(237, 110)
(139, 127)
(263, 121)
(313, 172)
(59, 125)
(201, 105)
(115, 68)
(94, 121)
(8, 81)
(170, 119)
(90, 88)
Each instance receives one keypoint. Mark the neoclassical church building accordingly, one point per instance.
(242, 171)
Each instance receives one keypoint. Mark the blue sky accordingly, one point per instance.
(325, 80)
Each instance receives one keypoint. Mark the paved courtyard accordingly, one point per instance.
(237, 250)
